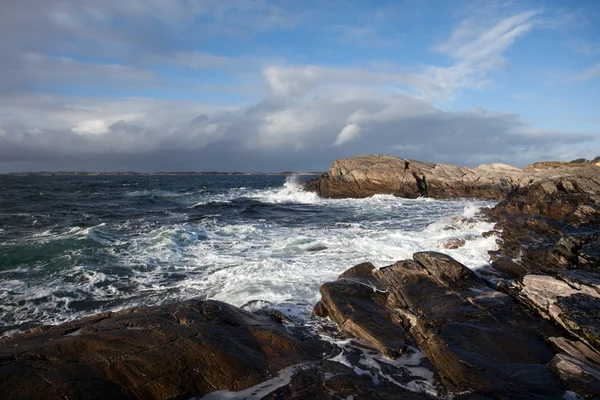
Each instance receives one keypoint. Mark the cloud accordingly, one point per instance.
(305, 132)
(297, 116)
(87, 43)
(367, 36)
(584, 47)
(349, 132)
(197, 60)
(31, 70)
(478, 50)
(589, 73)
(470, 44)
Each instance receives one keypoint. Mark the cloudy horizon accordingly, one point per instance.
(261, 85)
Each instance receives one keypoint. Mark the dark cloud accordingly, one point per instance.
(279, 135)
(302, 117)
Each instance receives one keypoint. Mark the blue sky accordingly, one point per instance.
(276, 85)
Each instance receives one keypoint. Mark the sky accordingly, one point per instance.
(268, 85)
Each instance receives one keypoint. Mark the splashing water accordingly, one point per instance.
(92, 244)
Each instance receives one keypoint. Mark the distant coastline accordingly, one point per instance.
(83, 173)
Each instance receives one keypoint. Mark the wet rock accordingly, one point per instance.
(553, 224)
(508, 267)
(333, 381)
(356, 304)
(491, 233)
(170, 351)
(479, 340)
(575, 306)
(578, 365)
(317, 247)
(453, 243)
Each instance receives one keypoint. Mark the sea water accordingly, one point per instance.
(77, 245)
(72, 246)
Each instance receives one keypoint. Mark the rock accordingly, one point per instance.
(491, 233)
(366, 175)
(171, 351)
(333, 381)
(508, 267)
(479, 340)
(453, 243)
(355, 304)
(574, 306)
(553, 224)
(577, 365)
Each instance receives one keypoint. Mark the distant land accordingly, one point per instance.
(82, 173)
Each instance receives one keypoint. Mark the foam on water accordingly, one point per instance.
(260, 390)
(255, 244)
(301, 242)
(291, 192)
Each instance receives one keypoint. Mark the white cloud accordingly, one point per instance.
(348, 133)
(309, 112)
(292, 81)
(589, 73)
(584, 47)
(470, 44)
(478, 51)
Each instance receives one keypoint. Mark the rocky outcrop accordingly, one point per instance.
(574, 307)
(553, 224)
(366, 175)
(479, 340)
(550, 255)
(172, 351)
(177, 351)
(531, 330)
(578, 366)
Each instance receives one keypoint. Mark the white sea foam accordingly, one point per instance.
(291, 192)
(246, 261)
(260, 390)
(239, 260)
(407, 371)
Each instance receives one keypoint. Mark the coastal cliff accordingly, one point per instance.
(366, 175)
(527, 327)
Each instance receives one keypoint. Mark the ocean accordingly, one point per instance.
(72, 246)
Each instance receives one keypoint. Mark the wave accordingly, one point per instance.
(291, 192)
(240, 244)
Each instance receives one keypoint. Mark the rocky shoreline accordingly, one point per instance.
(528, 327)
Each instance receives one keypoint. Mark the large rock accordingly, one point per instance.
(165, 352)
(554, 224)
(479, 340)
(366, 175)
(577, 365)
(357, 305)
(571, 299)
(192, 349)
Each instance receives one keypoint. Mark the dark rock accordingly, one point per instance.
(491, 233)
(358, 309)
(317, 247)
(576, 307)
(333, 381)
(170, 351)
(479, 340)
(580, 312)
(553, 224)
(577, 365)
(508, 267)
